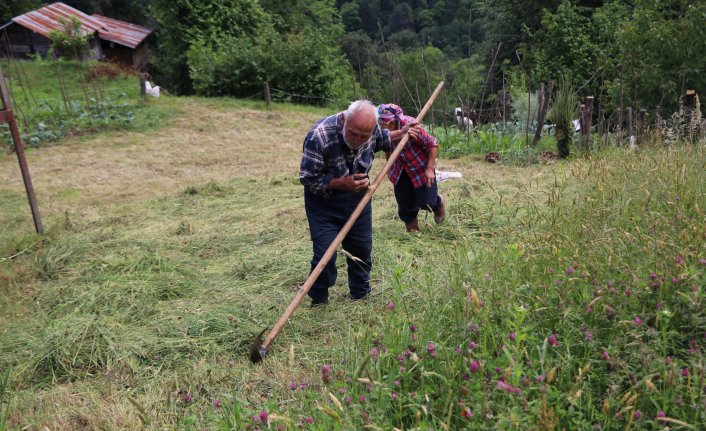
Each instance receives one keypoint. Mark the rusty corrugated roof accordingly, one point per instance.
(46, 19)
(121, 32)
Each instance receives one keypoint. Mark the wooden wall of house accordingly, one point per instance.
(23, 42)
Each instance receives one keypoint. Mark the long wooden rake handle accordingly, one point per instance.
(347, 227)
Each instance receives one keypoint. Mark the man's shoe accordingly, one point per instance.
(412, 226)
(318, 302)
(360, 298)
(440, 213)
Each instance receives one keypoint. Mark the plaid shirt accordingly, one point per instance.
(326, 156)
(414, 157)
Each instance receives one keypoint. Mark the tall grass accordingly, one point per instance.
(586, 313)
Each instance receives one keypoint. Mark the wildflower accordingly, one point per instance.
(413, 328)
(303, 386)
(347, 399)
(668, 360)
(628, 292)
(702, 261)
(414, 337)
(679, 259)
(675, 280)
(400, 358)
(659, 305)
(390, 305)
(187, 398)
(326, 373)
(396, 383)
(653, 276)
(458, 350)
(465, 376)
(293, 386)
(637, 414)
(540, 378)
(402, 369)
(217, 403)
(512, 336)
(374, 352)
(685, 372)
(569, 271)
(341, 390)
(467, 413)
(361, 399)
(394, 395)
(637, 321)
(309, 420)
(552, 340)
(660, 415)
(472, 345)
(693, 347)
(431, 347)
(498, 370)
(606, 356)
(475, 366)
(588, 335)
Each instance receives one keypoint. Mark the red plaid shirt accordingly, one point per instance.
(414, 157)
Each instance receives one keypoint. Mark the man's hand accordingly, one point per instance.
(431, 176)
(353, 183)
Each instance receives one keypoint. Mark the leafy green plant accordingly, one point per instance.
(562, 112)
(70, 41)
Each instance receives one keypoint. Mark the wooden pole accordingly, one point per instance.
(587, 119)
(344, 231)
(7, 116)
(641, 125)
(543, 105)
(143, 87)
(689, 112)
(629, 121)
(268, 99)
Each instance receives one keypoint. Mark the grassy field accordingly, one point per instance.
(562, 296)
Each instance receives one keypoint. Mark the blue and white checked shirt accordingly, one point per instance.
(326, 155)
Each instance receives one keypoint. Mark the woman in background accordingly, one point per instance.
(413, 173)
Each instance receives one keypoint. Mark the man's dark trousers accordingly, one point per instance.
(326, 216)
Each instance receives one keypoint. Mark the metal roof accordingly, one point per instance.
(121, 32)
(46, 19)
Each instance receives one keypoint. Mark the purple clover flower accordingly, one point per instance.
(475, 366)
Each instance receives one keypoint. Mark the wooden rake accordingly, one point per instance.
(261, 347)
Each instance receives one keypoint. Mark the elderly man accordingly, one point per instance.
(337, 156)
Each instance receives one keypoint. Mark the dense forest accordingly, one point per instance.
(640, 53)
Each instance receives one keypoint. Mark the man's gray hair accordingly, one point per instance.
(361, 106)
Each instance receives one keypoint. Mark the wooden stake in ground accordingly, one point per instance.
(7, 116)
(260, 348)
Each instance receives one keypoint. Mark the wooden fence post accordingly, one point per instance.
(543, 107)
(268, 100)
(143, 87)
(8, 116)
(586, 120)
(690, 112)
(641, 125)
(629, 121)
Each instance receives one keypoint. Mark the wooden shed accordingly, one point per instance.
(109, 39)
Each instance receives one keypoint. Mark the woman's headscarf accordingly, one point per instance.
(388, 112)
